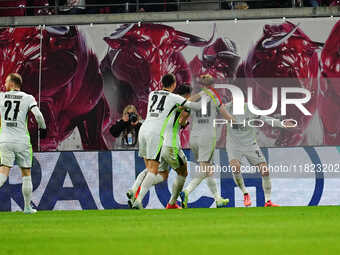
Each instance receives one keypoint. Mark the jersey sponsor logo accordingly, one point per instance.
(203, 121)
(11, 124)
(153, 114)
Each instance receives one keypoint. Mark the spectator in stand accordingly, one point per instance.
(127, 128)
(72, 7)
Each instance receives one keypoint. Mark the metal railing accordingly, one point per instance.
(135, 6)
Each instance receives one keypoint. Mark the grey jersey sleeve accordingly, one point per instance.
(39, 117)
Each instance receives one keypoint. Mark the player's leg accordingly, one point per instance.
(198, 177)
(163, 171)
(208, 168)
(256, 158)
(177, 186)
(177, 160)
(148, 182)
(266, 184)
(27, 189)
(132, 192)
(235, 166)
(148, 149)
(7, 161)
(4, 172)
(207, 150)
(24, 160)
(212, 185)
(197, 174)
(139, 179)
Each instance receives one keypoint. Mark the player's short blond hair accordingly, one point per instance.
(16, 79)
(206, 80)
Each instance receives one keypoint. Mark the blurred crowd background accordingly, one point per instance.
(52, 7)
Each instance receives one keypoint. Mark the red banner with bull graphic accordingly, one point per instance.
(84, 76)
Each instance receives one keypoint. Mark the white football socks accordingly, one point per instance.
(195, 182)
(267, 187)
(27, 190)
(238, 179)
(138, 181)
(177, 187)
(213, 187)
(140, 177)
(147, 183)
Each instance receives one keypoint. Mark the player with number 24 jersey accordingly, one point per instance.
(162, 105)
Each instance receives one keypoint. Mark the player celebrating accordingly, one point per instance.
(203, 141)
(162, 105)
(171, 156)
(15, 144)
(241, 142)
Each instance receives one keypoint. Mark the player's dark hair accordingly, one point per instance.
(168, 80)
(16, 79)
(183, 90)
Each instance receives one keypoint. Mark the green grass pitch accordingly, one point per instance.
(283, 230)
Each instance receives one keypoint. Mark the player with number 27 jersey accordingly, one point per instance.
(14, 107)
(15, 144)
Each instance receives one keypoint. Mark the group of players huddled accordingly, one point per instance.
(159, 143)
(159, 140)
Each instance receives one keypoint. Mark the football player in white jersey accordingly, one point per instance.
(15, 144)
(203, 141)
(241, 142)
(162, 105)
(172, 155)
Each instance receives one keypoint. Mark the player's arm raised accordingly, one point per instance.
(195, 97)
(188, 103)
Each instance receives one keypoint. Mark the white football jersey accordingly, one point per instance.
(240, 134)
(14, 108)
(202, 125)
(161, 105)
